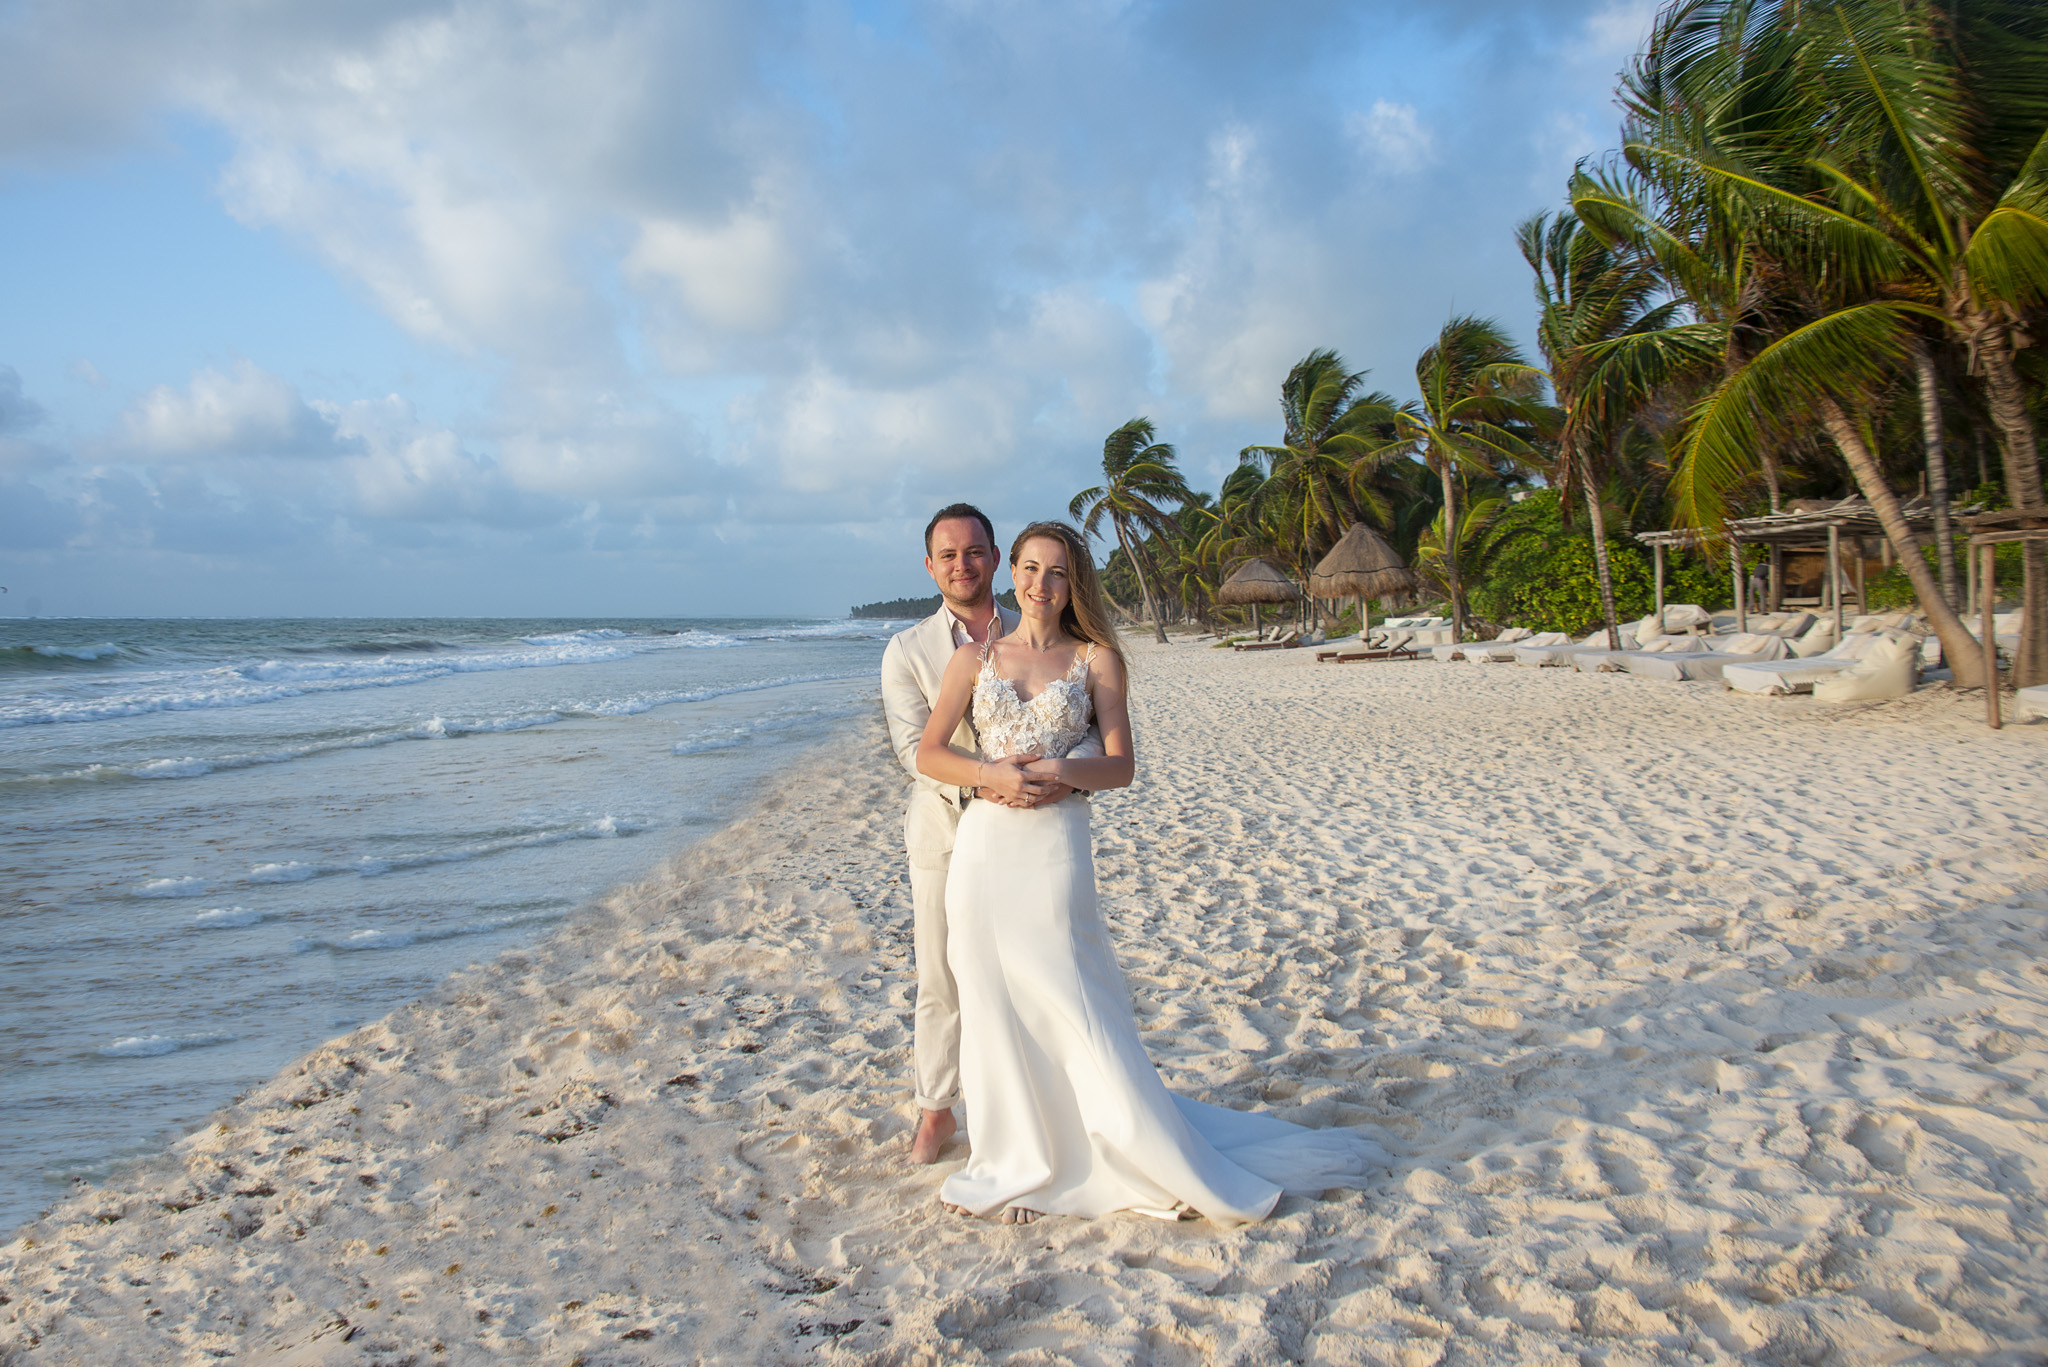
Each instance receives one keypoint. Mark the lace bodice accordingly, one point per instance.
(1049, 725)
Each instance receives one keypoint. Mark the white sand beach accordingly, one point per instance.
(1702, 1029)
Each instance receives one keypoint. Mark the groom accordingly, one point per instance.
(961, 557)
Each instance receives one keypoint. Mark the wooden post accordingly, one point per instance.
(1657, 552)
(1735, 566)
(1258, 631)
(1970, 585)
(1862, 603)
(1835, 574)
(1777, 598)
(1989, 576)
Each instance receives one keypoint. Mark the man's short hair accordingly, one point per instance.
(953, 510)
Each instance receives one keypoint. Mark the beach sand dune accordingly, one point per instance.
(1703, 1029)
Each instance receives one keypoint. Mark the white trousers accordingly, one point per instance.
(935, 1024)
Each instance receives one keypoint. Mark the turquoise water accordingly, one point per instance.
(222, 842)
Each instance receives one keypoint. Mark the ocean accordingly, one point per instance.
(222, 842)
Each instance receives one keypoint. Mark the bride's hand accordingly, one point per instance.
(1053, 788)
(1006, 779)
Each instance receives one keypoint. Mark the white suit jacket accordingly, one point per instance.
(913, 666)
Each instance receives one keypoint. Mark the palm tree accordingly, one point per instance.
(1610, 344)
(1478, 415)
(1332, 441)
(1138, 473)
(1858, 166)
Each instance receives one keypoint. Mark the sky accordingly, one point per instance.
(645, 308)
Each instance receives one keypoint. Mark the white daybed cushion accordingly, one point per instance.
(1431, 636)
(1674, 666)
(1684, 616)
(1790, 625)
(1780, 676)
(2031, 702)
(1888, 670)
(1818, 639)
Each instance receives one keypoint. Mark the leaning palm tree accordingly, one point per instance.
(1478, 416)
(1138, 475)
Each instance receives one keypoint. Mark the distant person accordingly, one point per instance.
(1070, 1116)
(961, 557)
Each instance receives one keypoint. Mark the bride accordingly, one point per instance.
(1068, 1115)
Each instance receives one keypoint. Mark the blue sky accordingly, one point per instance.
(688, 309)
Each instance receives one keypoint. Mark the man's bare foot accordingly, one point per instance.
(932, 1133)
(1019, 1215)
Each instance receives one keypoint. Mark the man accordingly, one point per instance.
(961, 558)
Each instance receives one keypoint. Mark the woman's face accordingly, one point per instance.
(1040, 573)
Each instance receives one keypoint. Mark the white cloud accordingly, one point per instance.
(734, 276)
(1392, 138)
(244, 411)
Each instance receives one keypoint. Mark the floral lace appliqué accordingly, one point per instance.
(1049, 725)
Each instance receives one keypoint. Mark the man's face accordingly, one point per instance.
(962, 563)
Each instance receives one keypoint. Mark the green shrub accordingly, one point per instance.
(1539, 575)
(1892, 589)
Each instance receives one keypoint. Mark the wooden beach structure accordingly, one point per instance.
(1816, 527)
(1989, 531)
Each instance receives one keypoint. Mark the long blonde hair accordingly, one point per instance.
(1084, 618)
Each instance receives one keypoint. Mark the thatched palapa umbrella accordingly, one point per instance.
(1362, 565)
(1257, 581)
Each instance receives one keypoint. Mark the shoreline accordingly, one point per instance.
(1701, 1027)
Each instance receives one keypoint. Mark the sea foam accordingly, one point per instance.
(150, 1046)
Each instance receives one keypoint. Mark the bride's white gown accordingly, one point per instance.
(1066, 1113)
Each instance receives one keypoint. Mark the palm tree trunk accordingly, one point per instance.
(1144, 589)
(1451, 555)
(1596, 519)
(1964, 655)
(1937, 473)
(2022, 453)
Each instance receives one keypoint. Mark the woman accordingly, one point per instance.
(1068, 1115)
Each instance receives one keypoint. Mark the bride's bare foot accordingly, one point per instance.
(952, 1209)
(1018, 1215)
(932, 1133)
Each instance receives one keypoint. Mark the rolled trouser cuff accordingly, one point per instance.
(926, 1103)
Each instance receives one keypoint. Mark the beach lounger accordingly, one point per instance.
(1399, 646)
(1799, 676)
(1679, 666)
(2031, 702)
(1287, 642)
(1400, 652)
(1615, 661)
(1503, 644)
(1379, 636)
(1559, 655)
